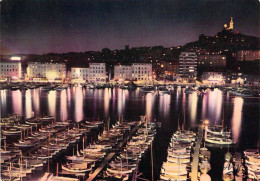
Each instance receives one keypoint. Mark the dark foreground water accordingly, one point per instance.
(240, 114)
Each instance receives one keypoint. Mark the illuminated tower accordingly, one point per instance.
(231, 24)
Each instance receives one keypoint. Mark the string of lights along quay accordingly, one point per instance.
(43, 114)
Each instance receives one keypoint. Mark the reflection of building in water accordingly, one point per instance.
(28, 104)
(214, 106)
(52, 103)
(78, 104)
(193, 100)
(3, 101)
(164, 104)
(204, 107)
(63, 105)
(107, 97)
(17, 102)
(36, 101)
(237, 118)
(121, 101)
(149, 106)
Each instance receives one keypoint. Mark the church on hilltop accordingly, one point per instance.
(231, 25)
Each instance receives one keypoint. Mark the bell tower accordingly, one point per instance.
(231, 24)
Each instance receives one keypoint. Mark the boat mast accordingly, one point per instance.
(152, 159)
(179, 123)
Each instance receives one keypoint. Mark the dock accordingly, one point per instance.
(111, 155)
(195, 161)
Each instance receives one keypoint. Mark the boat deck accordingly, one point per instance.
(195, 161)
(238, 165)
(109, 157)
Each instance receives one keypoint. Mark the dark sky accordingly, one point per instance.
(42, 26)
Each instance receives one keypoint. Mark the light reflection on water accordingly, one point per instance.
(193, 100)
(28, 104)
(52, 103)
(3, 101)
(36, 100)
(149, 106)
(76, 103)
(107, 97)
(17, 102)
(63, 106)
(213, 100)
(237, 118)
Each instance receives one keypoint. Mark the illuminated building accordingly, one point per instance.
(10, 70)
(169, 67)
(213, 78)
(79, 73)
(123, 72)
(142, 71)
(136, 71)
(42, 71)
(248, 55)
(97, 72)
(231, 25)
(188, 66)
(212, 62)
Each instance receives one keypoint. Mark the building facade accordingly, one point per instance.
(10, 70)
(136, 72)
(142, 71)
(213, 78)
(122, 72)
(97, 72)
(248, 55)
(79, 73)
(212, 62)
(49, 71)
(188, 66)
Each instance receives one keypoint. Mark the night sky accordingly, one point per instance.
(43, 26)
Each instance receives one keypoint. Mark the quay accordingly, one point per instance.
(111, 155)
(195, 161)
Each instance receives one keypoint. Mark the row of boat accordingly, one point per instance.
(217, 135)
(43, 144)
(252, 163)
(126, 162)
(86, 159)
(177, 166)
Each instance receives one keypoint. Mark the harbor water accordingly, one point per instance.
(240, 114)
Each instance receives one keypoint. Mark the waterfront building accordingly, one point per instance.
(248, 55)
(122, 72)
(142, 71)
(79, 73)
(10, 70)
(97, 72)
(169, 67)
(136, 72)
(213, 78)
(212, 62)
(40, 71)
(188, 66)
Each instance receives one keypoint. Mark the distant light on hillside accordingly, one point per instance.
(16, 58)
